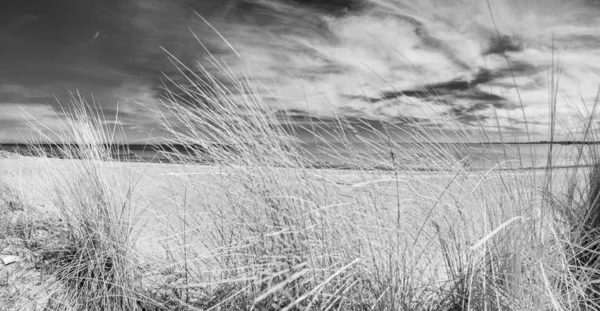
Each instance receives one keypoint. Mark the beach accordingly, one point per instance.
(177, 207)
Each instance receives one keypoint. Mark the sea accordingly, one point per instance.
(429, 156)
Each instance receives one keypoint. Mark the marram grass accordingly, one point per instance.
(270, 231)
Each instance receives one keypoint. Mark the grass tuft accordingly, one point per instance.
(94, 265)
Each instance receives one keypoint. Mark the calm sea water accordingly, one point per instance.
(405, 155)
(470, 156)
(132, 153)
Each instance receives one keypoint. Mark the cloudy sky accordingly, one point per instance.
(405, 62)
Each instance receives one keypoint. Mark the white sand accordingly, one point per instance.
(159, 199)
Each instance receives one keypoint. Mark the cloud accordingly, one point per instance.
(27, 112)
(139, 106)
(21, 121)
(391, 60)
(364, 63)
(20, 93)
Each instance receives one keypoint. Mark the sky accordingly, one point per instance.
(427, 62)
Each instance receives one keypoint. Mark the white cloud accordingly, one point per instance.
(27, 112)
(19, 121)
(22, 92)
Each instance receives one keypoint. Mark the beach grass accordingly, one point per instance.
(86, 253)
(280, 234)
(283, 235)
(269, 225)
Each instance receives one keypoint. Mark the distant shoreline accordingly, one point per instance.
(178, 146)
(543, 142)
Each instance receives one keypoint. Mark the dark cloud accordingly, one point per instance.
(503, 44)
(94, 42)
(334, 7)
(115, 50)
(104, 48)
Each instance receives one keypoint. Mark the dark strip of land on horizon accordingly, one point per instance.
(178, 146)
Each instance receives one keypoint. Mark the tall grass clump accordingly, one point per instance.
(364, 215)
(406, 224)
(93, 267)
(576, 226)
(583, 218)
